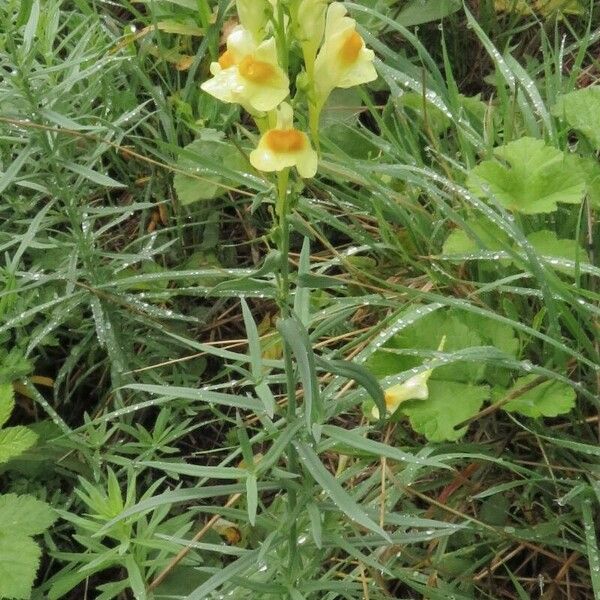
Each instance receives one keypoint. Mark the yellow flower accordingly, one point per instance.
(248, 74)
(284, 147)
(414, 388)
(343, 61)
(254, 16)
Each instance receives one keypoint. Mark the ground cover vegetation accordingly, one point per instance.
(299, 299)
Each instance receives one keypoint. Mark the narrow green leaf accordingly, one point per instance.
(591, 540)
(358, 373)
(355, 440)
(316, 524)
(135, 579)
(252, 497)
(336, 492)
(9, 176)
(196, 470)
(302, 297)
(93, 176)
(248, 561)
(254, 347)
(7, 402)
(32, 25)
(198, 394)
(295, 335)
(182, 495)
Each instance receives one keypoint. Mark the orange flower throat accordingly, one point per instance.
(226, 59)
(256, 70)
(285, 140)
(351, 48)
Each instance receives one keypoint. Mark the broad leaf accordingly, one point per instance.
(448, 405)
(14, 441)
(417, 12)
(548, 399)
(208, 160)
(19, 560)
(581, 110)
(483, 235)
(461, 331)
(591, 168)
(530, 177)
(24, 515)
(549, 246)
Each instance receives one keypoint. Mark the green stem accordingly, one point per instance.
(282, 210)
(314, 105)
(314, 117)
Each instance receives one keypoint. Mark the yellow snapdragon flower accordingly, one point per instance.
(254, 16)
(414, 388)
(284, 146)
(248, 73)
(343, 61)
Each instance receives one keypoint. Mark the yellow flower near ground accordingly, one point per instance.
(284, 146)
(343, 61)
(414, 388)
(249, 74)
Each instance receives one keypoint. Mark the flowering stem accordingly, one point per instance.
(282, 211)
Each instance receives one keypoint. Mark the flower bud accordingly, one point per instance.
(254, 16)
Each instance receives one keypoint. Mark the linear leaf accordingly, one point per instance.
(199, 394)
(93, 176)
(336, 492)
(356, 440)
(295, 335)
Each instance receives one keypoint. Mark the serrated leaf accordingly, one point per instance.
(427, 334)
(548, 399)
(24, 515)
(14, 441)
(19, 560)
(449, 404)
(7, 402)
(529, 177)
(581, 110)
